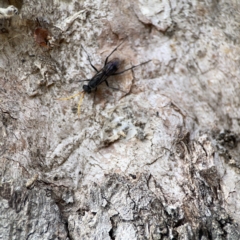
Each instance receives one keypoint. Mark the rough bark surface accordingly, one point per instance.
(157, 160)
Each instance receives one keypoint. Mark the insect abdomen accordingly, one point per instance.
(112, 66)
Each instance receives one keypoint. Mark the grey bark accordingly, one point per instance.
(157, 161)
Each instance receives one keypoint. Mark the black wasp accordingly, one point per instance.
(110, 68)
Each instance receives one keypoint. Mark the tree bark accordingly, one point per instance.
(158, 159)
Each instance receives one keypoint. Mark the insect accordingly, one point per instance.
(110, 68)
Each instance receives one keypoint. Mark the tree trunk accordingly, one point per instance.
(156, 159)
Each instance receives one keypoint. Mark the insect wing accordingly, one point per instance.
(111, 67)
(98, 79)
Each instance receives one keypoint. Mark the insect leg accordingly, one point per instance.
(130, 68)
(112, 52)
(85, 80)
(118, 89)
(90, 60)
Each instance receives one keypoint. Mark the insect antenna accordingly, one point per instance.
(73, 96)
(80, 102)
